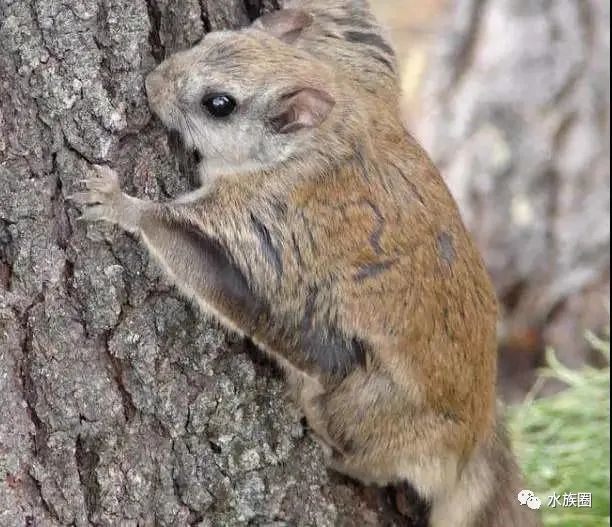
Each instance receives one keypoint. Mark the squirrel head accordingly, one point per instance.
(248, 100)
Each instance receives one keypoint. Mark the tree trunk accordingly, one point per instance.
(518, 119)
(120, 403)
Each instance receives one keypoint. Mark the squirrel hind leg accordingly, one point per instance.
(380, 436)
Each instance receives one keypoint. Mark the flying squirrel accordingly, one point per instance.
(324, 233)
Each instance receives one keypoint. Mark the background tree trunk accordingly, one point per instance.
(120, 404)
(517, 117)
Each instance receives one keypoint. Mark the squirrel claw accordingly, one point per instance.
(95, 213)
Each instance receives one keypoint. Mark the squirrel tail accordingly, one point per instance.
(486, 494)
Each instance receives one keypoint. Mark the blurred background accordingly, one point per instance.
(511, 99)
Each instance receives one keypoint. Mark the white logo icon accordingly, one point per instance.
(527, 497)
(524, 496)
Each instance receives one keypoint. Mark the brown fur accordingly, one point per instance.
(335, 245)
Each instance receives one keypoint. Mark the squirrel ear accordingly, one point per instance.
(286, 25)
(305, 108)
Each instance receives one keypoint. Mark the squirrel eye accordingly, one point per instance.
(219, 105)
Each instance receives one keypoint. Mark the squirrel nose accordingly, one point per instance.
(154, 84)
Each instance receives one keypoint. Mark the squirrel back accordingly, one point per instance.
(346, 34)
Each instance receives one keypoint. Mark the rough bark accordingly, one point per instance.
(517, 118)
(120, 404)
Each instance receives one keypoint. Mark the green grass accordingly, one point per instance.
(563, 441)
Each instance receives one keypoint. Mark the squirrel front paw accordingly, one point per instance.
(102, 201)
